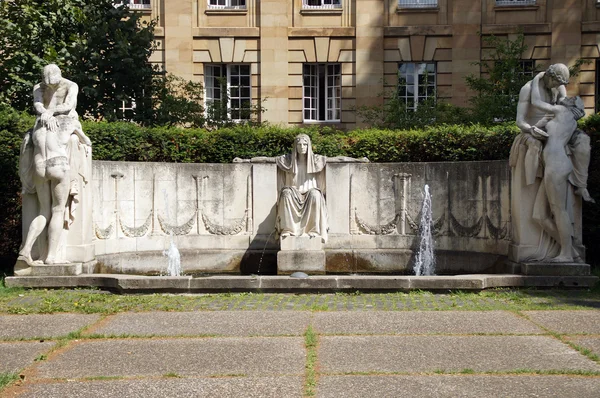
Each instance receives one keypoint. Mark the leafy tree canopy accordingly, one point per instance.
(105, 49)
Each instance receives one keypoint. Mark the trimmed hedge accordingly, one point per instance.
(122, 141)
(128, 142)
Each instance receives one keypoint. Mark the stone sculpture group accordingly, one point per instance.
(549, 162)
(55, 166)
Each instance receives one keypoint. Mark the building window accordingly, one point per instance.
(322, 91)
(416, 83)
(227, 4)
(515, 2)
(321, 3)
(229, 83)
(527, 67)
(417, 3)
(135, 4)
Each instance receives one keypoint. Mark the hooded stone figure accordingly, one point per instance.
(301, 207)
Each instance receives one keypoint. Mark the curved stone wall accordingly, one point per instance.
(222, 216)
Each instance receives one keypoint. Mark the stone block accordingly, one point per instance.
(555, 269)
(311, 262)
(301, 243)
(57, 269)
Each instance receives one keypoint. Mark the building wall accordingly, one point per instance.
(368, 38)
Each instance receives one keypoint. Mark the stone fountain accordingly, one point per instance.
(305, 212)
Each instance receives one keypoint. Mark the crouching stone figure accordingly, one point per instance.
(55, 166)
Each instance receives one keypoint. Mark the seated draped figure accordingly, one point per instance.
(301, 207)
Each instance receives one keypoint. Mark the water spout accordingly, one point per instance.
(425, 261)
(172, 253)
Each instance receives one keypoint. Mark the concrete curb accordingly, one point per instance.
(283, 284)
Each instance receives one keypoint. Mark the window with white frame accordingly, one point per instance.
(322, 92)
(417, 3)
(135, 4)
(231, 83)
(227, 4)
(321, 4)
(515, 2)
(416, 83)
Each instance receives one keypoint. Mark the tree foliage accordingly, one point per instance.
(394, 114)
(104, 48)
(497, 91)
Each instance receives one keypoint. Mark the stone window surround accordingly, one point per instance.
(515, 3)
(315, 106)
(509, 5)
(141, 5)
(227, 7)
(415, 84)
(323, 9)
(226, 72)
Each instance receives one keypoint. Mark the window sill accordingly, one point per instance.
(408, 10)
(321, 11)
(516, 8)
(328, 122)
(226, 11)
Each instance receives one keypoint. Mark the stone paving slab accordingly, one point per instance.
(43, 326)
(341, 354)
(275, 387)
(422, 322)
(569, 322)
(234, 323)
(457, 386)
(185, 357)
(591, 343)
(15, 356)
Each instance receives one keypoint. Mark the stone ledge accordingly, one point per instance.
(516, 8)
(321, 11)
(555, 269)
(410, 10)
(285, 284)
(431, 30)
(321, 32)
(508, 28)
(226, 32)
(226, 11)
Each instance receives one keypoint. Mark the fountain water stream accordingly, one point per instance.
(172, 253)
(425, 261)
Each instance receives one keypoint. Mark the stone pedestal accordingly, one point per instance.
(68, 269)
(555, 269)
(301, 253)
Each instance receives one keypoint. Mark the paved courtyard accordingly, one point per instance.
(319, 351)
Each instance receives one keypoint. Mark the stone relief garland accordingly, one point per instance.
(466, 231)
(392, 226)
(103, 233)
(136, 232)
(383, 230)
(183, 229)
(233, 229)
(496, 232)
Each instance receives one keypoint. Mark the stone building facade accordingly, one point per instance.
(315, 61)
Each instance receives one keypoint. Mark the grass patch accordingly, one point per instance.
(7, 378)
(87, 301)
(171, 374)
(310, 342)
